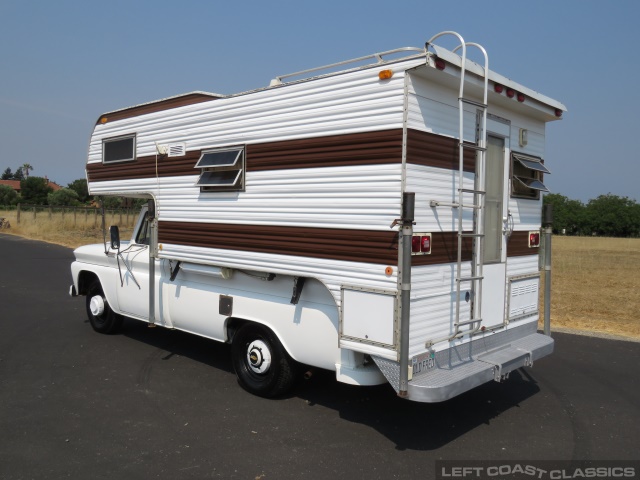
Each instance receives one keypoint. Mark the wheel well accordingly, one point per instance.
(233, 325)
(85, 278)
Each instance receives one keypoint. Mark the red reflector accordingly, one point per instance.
(425, 244)
(440, 64)
(511, 92)
(498, 88)
(415, 245)
(534, 239)
(520, 97)
(558, 112)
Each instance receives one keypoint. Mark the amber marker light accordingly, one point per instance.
(385, 74)
(103, 120)
(388, 270)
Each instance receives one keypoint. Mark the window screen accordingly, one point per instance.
(120, 149)
(221, 170)
(526, 176)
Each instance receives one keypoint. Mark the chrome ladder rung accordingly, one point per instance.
(468, 322)
(469, 279)
(471, 190)
(472, 146)
(478, 235)
(473, 102)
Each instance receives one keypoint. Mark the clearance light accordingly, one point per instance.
(421, 244)
(498, 88)
(520, 97)
(534, 239)
(385, 74)
(511, 92)
(440, 64)
(103, 120)
(388, 271)
(558, 112)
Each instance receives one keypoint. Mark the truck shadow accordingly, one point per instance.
(409, 425)
(418, 426)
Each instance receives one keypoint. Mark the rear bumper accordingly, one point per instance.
(445, 383)
(455, 370)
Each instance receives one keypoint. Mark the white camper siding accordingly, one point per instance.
(439, 184)
(347, 103)
(333, 273)
(433, 296)
(434, 108)
(526, 213)
(353, 197)
(522, 265)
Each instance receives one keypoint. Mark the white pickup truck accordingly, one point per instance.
(273, 329)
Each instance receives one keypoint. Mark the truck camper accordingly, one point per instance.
(378, 217)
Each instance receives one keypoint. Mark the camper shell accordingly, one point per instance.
(381, 220)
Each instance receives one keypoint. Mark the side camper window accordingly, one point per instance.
(119, 149)
(526, 176)
(222, 170)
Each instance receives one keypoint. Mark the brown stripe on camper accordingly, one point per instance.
(335, 244)
(433, 150)
(518, 245)
(160, 105)
(369, 148)
(144, 167)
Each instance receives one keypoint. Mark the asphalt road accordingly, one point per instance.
(153, 403)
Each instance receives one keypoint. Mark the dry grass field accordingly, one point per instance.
(595, 284)
(70, 229)
(595, 281)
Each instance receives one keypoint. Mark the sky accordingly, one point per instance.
(64, 63)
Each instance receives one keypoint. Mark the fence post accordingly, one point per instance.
(18, 214)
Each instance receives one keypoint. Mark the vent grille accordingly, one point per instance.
(177, 149)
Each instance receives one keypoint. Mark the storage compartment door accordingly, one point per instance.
(368, 317)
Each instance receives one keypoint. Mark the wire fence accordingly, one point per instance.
(21, 214)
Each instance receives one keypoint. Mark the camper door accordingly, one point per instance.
(495, 225)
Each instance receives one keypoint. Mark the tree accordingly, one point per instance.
(568, 215)
(26, 168)
(613, 216)
(8, 195)
(7, 174)
(19, 175)
(63, 197)
(80, 187)
(35, 190)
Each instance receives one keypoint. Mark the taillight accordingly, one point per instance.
(534, 239)
(511, 92)
(520, 97)
(440, 64)
(421, 244)
(415, 244)
(558, 112)
(498, 88)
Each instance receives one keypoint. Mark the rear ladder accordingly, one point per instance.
(478, 204)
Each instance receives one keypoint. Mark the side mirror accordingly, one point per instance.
(115, 237)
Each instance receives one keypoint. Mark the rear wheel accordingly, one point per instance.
(261, 363)
(101, 317)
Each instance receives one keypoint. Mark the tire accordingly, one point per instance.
(101, 317)
(262, 365)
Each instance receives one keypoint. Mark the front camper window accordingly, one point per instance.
(119, 149)
(222, 170)
(526, 176)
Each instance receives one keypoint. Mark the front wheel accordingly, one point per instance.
(101, 317)
(261, 363)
